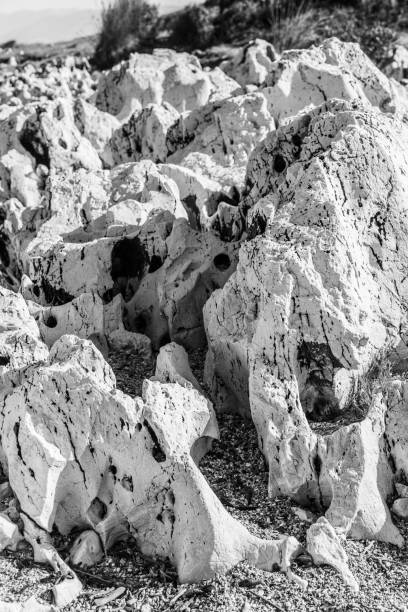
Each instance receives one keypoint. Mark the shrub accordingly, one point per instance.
(127, 26)
(192, 28)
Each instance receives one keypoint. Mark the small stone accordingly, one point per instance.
(400, 507)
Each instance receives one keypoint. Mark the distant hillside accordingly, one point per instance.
(48, 26)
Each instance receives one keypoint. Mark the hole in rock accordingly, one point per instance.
(128, 259)
(158, 454)
(222, 262)
(51, 321)
(127, 483)
(279, 163)
(97, 510)
(54, 296)
(63, 144)
(4, 360)
(155, 264)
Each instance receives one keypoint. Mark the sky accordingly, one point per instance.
(9, 6)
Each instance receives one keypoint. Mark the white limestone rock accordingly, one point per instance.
(98, 127)
(20, 341)
(303, 316)
(144, 135)
(325, 547)
(303, 79)
(252, 63)
(83, 470)
(84, 316)
(65, 256)
(168, 303)
(164, 76)
(10, 535)
(227, 130)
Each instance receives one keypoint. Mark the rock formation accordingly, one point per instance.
(159, 207)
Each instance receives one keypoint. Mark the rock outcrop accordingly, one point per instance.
(317, 296)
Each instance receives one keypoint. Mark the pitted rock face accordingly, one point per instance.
(84, 469)
(321, 292)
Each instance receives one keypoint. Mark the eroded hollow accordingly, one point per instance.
(222, 262)
(50, 321)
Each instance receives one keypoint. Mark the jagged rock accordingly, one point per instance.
(172, 366)
(65, 256)
(227, 130)
(164, 76)
(84, 316)
(50, 136)
(400, 507)
(20, 342)
(168, 303)
(66, 591)
(303, 316)
(10, 536)
(87, 550)
(98, 127)
(307, 78)
(324, 545)
(84, 469)
(401, 489)
(355, 478)
(200, 194)
(144, 135)
(252, 63)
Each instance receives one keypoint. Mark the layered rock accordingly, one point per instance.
(318, 294)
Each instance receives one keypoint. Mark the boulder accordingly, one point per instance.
(301, 319)
(144, 135)
(252, 63)
(302, 79)
(325, 548)
(163, 76)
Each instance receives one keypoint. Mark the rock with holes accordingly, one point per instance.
(302, 318)
(164, 76)
(91, 212)
(84, 316)
(144, 135)
(252, 63)
(325, 548)
(51, 137)
(84, 469)
(169, 300)
(307, 78)
(201, 193)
